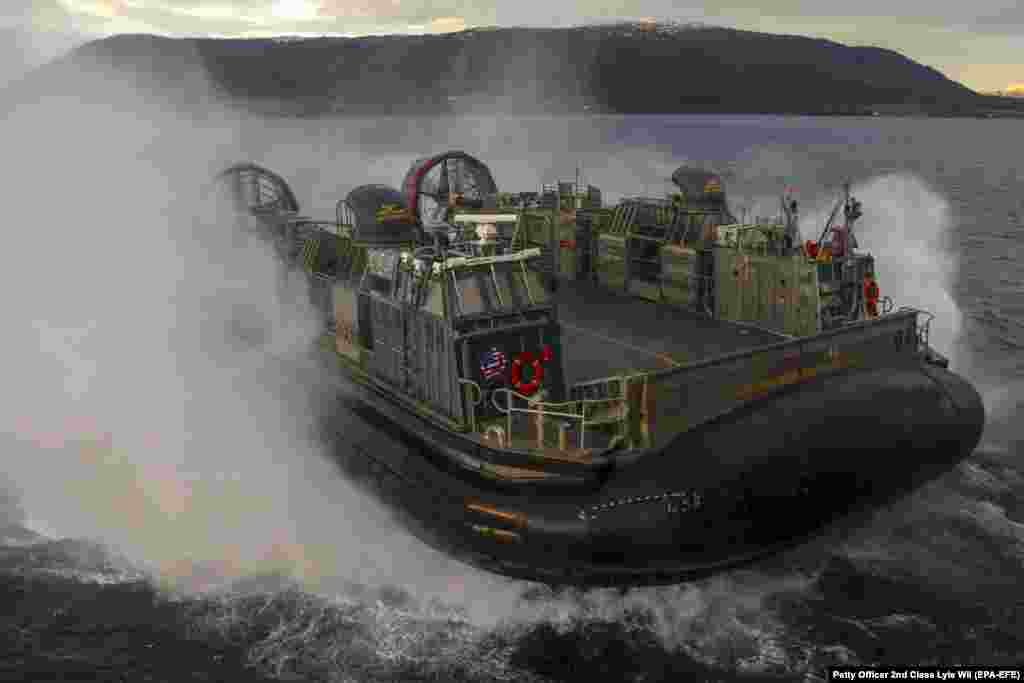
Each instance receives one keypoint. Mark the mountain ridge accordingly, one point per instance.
(693, 68)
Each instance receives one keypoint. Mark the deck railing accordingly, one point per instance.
(546, 424)
(693, 394)
(700, 291)
(650, 408)
(924, 324)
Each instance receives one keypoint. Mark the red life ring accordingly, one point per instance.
(527, 388)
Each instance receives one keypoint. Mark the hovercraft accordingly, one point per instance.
(615, 395)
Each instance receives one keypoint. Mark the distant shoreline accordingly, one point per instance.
(469, 113)
(585, 71)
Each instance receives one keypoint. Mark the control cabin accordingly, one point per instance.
(438, 324)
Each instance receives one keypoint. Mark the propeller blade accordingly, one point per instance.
(443, 185)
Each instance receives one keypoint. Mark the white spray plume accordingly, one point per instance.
(907, 227)
(158, 398)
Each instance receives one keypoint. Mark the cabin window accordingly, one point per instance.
(382, 262)
(538, 293)
(518, 286)
(380, 270)
(355, 262)
(403, 283)
(435, 299)
(343, 255)
(476, 290)
(322, 254)
(375, 283)
(510, 286)
(501, 286)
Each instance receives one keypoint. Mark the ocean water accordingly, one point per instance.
(934, 578)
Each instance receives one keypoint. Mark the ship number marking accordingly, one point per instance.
(676, 502)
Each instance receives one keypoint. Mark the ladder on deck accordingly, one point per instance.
(609, 413)
(648, 230)
(598, 389)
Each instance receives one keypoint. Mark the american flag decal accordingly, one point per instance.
(493, 363)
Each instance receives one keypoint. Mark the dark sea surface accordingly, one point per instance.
(937, 577)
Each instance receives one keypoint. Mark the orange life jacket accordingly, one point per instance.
(871, 291)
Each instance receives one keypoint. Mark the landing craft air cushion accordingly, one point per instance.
(590, 395)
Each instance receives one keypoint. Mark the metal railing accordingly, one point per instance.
(700, 290)
(748, 375)
(473, 403)
(550, 413)
(923, 326)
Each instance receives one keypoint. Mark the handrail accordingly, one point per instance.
(923, 327)
(472, 261)
(475, 403)
(745, 379)
(787, 343)
(581, 415)
(507, 409)
(486, 218)
(479, 391)
(330, 227)
(549, 403)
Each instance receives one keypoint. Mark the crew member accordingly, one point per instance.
(870, 296)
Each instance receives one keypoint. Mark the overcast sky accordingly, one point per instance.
(979, 43)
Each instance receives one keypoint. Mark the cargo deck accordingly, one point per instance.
(605, 329)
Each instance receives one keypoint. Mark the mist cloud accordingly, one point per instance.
(32, 33)
(160, 394)
(994, 16)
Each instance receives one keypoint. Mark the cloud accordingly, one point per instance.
(38, 15)
(447, 25)
(32, 33)
(295, 10)
(255, 18)
(282, 16)
(111, 8)
(344, 9)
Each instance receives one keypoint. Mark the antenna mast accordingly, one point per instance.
(835, 210)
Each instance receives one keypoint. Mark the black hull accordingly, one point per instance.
(723, 494)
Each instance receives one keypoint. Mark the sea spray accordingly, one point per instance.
(908, 227)
(160, 400)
